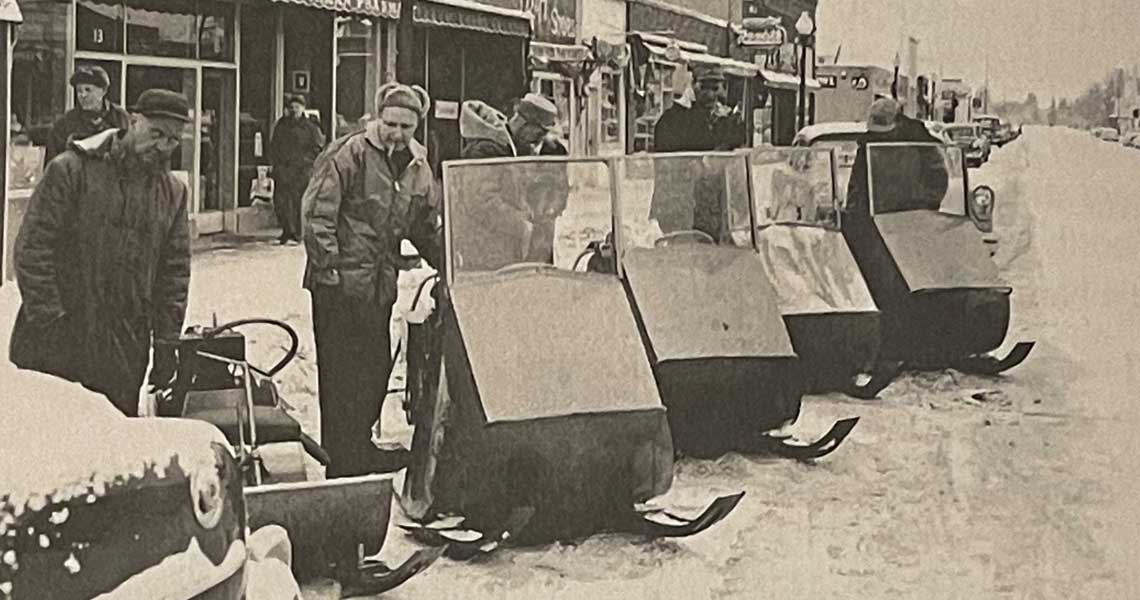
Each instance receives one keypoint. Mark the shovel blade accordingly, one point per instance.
(330, 523)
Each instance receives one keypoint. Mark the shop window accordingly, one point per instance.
(38, 86)
(611, 119)
(258, 36)
(216, 31)
(99, 25)
(358, 72)
(167, 28)
(659, 94)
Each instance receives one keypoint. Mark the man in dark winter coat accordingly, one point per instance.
(103, 257)
(708, 125)
(886, 123)
(92, 114)
(295, 145)
(370, 190)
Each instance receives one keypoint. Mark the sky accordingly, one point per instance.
(1049, 47)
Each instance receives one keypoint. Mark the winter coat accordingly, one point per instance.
(79, 124)
(294, 147)
(683, 129)
(506, 213)
(925, 161)
(357, 211)
(102, 262)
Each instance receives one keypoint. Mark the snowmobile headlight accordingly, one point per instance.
(981, 208)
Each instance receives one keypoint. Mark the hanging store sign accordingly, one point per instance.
(762, 33)
(385, 9)
(555, 21)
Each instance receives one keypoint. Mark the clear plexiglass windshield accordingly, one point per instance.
(681, 198)
(525, 211)
(794, 186)
(916, 177)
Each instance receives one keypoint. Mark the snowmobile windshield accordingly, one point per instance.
(667, 198)
(794, 186)
(545, 210)
(916, 176)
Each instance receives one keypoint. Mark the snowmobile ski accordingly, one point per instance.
(805, 452)
(377, 578)
(882, 376)
(460, 543)
(684, 527)
(991, 365)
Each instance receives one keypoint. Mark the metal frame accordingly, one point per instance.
(611, 162)
(943, 147)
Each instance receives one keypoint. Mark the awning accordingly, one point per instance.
(10, 12)
(787, 81)
(465, 14)
(384, 9)
(568, 60)
(731, 67)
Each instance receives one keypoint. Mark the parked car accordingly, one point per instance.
(1131, 139)
(997, 130)
(973, 141)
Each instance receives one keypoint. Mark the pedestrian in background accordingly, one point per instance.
(369, 191)
(296, 142)
(103, 257)
(93, 112)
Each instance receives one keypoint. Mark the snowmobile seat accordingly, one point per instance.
(274, 425)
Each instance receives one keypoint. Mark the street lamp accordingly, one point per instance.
(804, 27)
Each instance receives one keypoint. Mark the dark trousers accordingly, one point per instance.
(288, 188)
(353, 364)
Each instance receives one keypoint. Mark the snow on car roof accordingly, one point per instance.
(60, 441)
(813, 132)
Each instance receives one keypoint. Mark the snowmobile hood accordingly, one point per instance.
(703, 301)
(935, 251)
(553, 344)
(480, 121)
(813, 271)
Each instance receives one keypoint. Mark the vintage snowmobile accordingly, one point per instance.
(334, 526)
(829, 312)
(708, 313)
(914, 233)
(536, 412)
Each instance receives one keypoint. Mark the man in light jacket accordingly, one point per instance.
(369, 191)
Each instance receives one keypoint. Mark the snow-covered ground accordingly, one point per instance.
(952, 486)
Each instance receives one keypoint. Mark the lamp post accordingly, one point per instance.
(804, 27)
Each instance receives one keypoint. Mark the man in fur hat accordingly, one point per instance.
(93, 112)
(369, 191)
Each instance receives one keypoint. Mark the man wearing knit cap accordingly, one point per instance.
(103, 257)
(92, 114)
(369, 191)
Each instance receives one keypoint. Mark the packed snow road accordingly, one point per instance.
(952, 486)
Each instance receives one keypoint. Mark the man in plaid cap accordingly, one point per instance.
(92, 114)
(103, 257)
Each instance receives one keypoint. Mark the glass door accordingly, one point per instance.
(216, 143)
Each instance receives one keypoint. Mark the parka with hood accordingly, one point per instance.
(102, 262)
(508, 217)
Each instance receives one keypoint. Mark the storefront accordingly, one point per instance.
(660, 65)
(776, 116)
(462, 50)
(10, 18)
(233, 60)
(603, 28)
(335, 53)
(558, 63)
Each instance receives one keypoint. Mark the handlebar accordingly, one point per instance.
(294, 341)
(702, 236)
